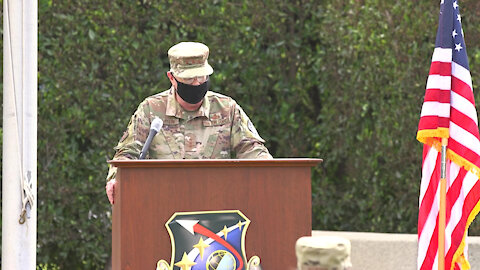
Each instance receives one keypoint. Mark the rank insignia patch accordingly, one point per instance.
(212, 240)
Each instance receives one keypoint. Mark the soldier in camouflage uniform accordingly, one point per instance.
(197, 123)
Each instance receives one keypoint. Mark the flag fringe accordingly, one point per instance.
(427, 136)
(462, 162)
(435, 142)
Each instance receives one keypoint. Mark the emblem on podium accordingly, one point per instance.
(212, 240)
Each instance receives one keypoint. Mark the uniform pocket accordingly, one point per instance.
(218, 142)
(166, 145)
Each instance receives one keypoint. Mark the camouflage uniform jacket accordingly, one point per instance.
(218, 129)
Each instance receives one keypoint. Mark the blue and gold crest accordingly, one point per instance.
(212, 240)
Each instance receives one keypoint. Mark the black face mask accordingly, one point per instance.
(192, 93)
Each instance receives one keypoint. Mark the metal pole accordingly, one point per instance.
(19, 169)
(442, 210)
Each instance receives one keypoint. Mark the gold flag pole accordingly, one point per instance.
(442, 211)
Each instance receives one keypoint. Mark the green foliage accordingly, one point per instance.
(369, 114)
(47, 267)
(340, 80)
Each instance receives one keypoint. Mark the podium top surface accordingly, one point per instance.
(278, 162)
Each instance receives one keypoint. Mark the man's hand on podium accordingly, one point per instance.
(110, 189)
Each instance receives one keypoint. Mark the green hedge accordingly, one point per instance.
(340, 80)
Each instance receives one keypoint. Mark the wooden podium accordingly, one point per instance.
(274, 194)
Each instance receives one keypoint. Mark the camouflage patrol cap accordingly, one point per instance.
(189, 59)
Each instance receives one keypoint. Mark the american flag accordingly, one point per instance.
(448, 112)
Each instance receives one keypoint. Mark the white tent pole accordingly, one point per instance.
(19, 165)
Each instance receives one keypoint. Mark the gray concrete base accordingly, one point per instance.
(380, 251)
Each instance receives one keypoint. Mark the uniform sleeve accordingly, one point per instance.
(131, 143)
(245, 141)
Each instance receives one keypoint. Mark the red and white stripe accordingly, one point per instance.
(449, 103)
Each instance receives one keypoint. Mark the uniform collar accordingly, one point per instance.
(174, 109)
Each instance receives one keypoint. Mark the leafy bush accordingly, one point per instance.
(47, 267)
(341, 80)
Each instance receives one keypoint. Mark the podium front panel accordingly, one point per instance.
(274, 195)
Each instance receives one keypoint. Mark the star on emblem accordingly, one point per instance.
(455, 5)
(185, 263)
(201, 246)
(225, 231)
(240, 225)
